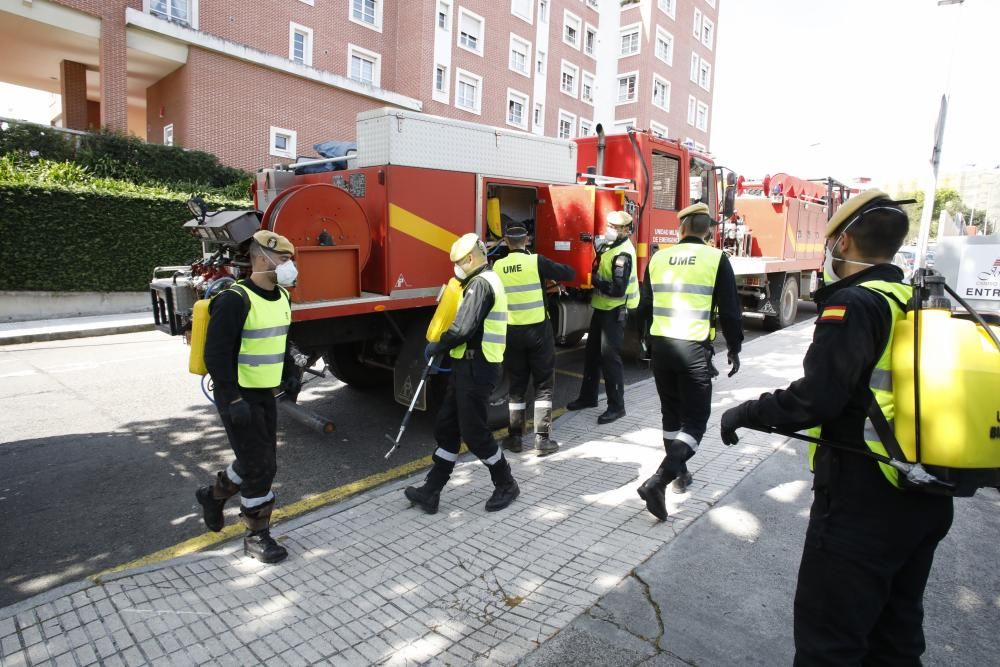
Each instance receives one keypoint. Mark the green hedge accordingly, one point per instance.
(84, 239)
(112, 155)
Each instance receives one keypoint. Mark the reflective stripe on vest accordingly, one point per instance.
(495, 325)
(525, 299)
(262, 343)
(605, 271)
(881, 378)
(683, 279)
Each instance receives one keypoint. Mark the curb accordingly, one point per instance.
(44, 336)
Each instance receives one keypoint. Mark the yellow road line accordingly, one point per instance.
(421, 229)
(334, 495)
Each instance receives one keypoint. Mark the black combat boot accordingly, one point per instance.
(258, 542)
(653, 491)
(426, 497)
(213, 500)
(544, 445)
(505, 489)
(683, 481)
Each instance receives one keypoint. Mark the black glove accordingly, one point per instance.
(734, 361)
(732, 419)
(292, 385)
(239, 413)
(430, 351)
(603, 286)
(713, 372)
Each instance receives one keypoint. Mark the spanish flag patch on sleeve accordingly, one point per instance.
(833, 314)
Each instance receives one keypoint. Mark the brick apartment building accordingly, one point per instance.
(258, 83)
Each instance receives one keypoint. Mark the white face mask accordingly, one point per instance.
(286, 273)
(460, 273)
(610, 235)
(829, 274)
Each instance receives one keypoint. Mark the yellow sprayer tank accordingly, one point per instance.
(199, 331)
(447, 308)
(959, 391)
(493, 221)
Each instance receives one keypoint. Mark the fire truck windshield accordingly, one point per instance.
(702, 189)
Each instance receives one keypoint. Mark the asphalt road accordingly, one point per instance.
(104, 440)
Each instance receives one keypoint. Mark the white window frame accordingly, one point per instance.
(705, 75)
(377, 26)
(543, 11)
(711, 3)
(445, 80)
(311, 3)
(696, 28)
(692, 109)
(666, 36)
(376, 58)
(518, 96)
(289, 150)
(447, 16)
(583, 83)
(307, 45)
(695, 67)
(527, 19)
(636, 29)
(701, 113)
(540, 62)
(568, 18)
(659, 130)
(192, 8)
(563, 67)
(538, 116)
(459, 75)
(586, 128)
(593, 4)
(528, 62)
(570, 118)
(635, 88)
(666, 84)
(623, 123)
(480, 39)
(589, 29)
(707, 32)
(668, 7)
(168, 134)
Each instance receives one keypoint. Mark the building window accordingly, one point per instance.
(443, 15)
(172, 10)
(622, 126)
(658, 130)
(441, 79)
(282, 142)
(711, 3)
(587, 88)
(569, 74)
(590, 41)
(629, 41)
(520, 55)
(168, 135)
(539, 119)
(701, 117)
(566, 123)
(695, 67)
(540, 62)
(627, 87)
(300, 44)
(696, 31)
(592, 4)
(585, 127)
(669, 7)
(571, 29)
(705, 75)
(707, 33)
(364, 66)
(661, 93)
(368, 13)
(664, 46)
(521, 9)
(468, 91)
(470, 31)
(692, 109)
(517, 104)
(543, 11)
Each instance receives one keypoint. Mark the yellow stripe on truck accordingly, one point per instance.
(420, 229)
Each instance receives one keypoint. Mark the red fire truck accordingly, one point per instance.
(372, 239)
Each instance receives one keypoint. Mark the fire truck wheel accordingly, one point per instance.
(787, 306)
(347, 367)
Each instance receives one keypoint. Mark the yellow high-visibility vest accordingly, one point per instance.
(262, 343)
(518, 272)
(683, 280)
(605, 271)
(495, 326)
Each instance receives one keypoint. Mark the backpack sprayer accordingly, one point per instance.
(945, 436)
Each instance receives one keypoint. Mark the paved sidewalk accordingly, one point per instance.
(33, 331)
(371, 581)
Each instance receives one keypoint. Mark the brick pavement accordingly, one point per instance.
(371, 581)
